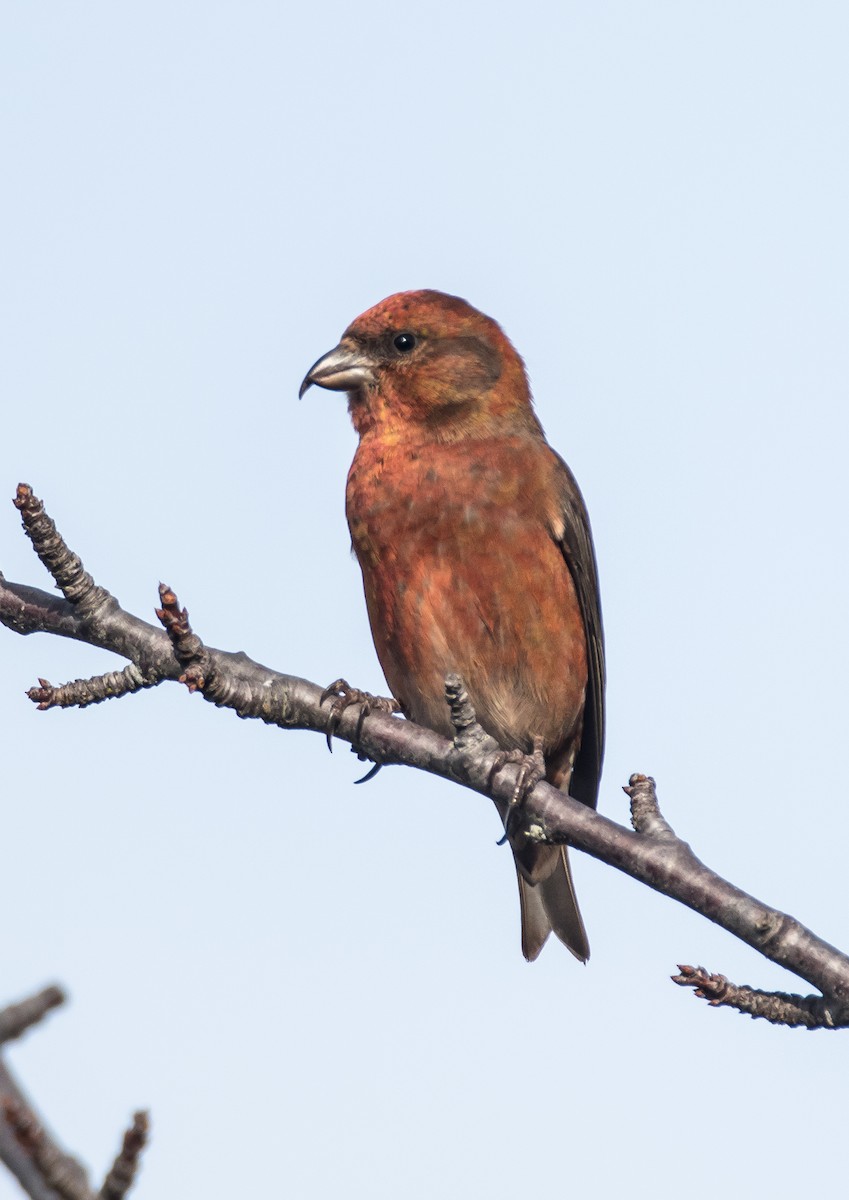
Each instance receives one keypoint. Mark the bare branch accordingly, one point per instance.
(76, 585)
(59, 1171)
(780, 1008)
(651, 853)
(16, 1019)
(12, 1154)
(43, 1169)
(646, 816)
(80, 693)
(125, 1167)
(199, 671)
(29, 610)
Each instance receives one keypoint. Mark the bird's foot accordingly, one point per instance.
(531, 771)
(344, 696)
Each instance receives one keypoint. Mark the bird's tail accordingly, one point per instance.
(550, 904)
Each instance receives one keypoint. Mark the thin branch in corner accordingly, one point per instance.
(43, 1169)
(16, 1019)
(123, 1172)
(56, 1169)
(35, 1160)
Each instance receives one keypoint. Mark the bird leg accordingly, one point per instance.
(344, 696)
(531, 771)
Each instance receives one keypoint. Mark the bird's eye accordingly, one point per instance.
(404, 342)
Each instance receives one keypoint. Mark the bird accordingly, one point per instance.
(477, 558)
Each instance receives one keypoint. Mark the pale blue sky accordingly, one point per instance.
(317, 989)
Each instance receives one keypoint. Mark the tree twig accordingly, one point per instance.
(780, 1008)
(16, 1019)
(123, 1171)
(61, 1173)
(43, 1169)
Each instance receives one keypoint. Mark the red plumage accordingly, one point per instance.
(476, 555)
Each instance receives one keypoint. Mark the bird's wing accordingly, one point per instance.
(575, 540)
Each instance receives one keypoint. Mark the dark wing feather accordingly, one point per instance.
(576, 542)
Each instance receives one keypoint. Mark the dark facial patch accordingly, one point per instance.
(443, 371)
(466, 364)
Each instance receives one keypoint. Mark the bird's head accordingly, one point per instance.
(428, 364)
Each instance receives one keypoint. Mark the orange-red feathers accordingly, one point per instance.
(476, 555)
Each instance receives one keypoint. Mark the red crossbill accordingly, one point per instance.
(477, 557)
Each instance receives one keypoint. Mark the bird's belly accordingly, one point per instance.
(485, 593)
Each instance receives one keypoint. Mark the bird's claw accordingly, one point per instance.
(344, 696)
(531, 771)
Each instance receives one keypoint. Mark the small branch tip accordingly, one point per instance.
(123, 1172)
(779, 1008)
(713, 988)
(16, 1019)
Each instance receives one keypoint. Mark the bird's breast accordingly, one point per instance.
(461, 573)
